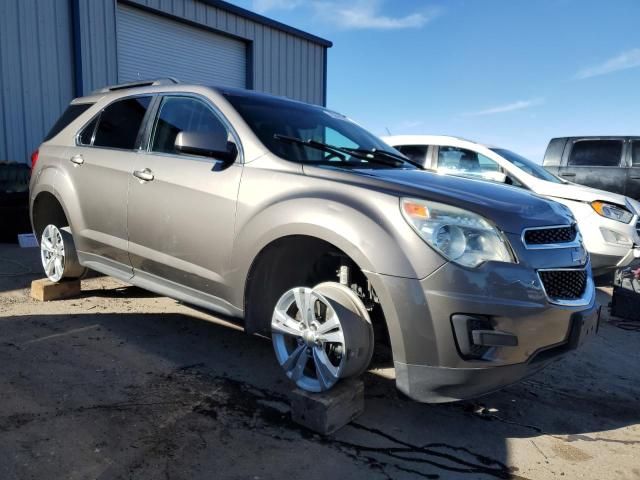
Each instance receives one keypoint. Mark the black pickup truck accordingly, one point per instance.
(607, 163)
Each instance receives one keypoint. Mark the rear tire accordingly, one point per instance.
(58, 254)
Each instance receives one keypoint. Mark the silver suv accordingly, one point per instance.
(304, 226)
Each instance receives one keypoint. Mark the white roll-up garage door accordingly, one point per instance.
(152, 46)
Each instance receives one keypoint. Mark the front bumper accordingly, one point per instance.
(428, 362)
(599, 234)
(442, 384)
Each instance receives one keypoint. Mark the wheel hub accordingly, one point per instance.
(310, 338)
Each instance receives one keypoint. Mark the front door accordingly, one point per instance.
(100, 167)
(182, 208)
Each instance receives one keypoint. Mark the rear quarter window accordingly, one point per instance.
(72, 112)
(596, 153)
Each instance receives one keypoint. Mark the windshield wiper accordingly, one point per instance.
(385, 154)
(371, 156)
(313, 144)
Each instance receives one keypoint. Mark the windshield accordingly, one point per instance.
(277, 121)
(527, 165)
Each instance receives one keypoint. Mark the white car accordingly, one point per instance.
(607, 221)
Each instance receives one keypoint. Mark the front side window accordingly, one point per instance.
(120, 122)
(183, 114)
(596, 153)
(417, 153)
(456, 160)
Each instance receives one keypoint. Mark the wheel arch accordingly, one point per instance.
(281, 264)
(47, 207)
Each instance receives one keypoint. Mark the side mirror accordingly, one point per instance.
(211, 144)
(495, 176)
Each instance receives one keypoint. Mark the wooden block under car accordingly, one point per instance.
(45, 290)
(327, 412)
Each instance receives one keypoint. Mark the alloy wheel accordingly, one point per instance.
(318, 340)
(52, 253)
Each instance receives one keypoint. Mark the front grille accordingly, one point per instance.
(551, 235)
(564, 284)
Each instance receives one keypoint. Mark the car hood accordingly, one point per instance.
(582, 193)
(510, 208)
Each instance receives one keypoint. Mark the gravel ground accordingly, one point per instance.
(120, 383)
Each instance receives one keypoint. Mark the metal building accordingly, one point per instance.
(54, 50)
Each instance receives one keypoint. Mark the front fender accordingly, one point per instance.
(372, 238)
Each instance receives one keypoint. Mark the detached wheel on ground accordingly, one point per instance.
(58, 254)
(321, 335)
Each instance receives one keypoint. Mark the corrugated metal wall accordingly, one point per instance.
(36, 72)
(154, 46)
(283, 64)
(45, 62)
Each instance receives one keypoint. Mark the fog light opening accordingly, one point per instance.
(463, 328)
(475, 336)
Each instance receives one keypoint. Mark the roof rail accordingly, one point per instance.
(137, 83)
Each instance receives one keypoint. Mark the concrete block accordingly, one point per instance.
(327, 412)
(45, 290)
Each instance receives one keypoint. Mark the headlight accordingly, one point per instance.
(614, 212)
(459, 235)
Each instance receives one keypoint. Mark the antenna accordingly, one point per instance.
(388, 131)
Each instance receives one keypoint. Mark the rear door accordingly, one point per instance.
(99, 168)
(633, 178)
(598, 163)
(181, 221)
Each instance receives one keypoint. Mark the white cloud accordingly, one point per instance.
(366, 14)
(624, 61)
(263, 6)
(353, 15)
(509, 107)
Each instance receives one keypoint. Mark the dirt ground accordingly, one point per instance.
(121, 383)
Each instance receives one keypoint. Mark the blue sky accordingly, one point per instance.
(514, 73)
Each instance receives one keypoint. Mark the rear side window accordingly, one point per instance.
(72, 112)
(415, 153)
(120, 122)
(178, 114)
(596, 153)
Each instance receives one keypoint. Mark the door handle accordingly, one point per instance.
(145, 174)
(568, 174)
(635, 177)
(77, 159)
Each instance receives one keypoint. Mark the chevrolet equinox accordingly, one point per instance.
(296, 221)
